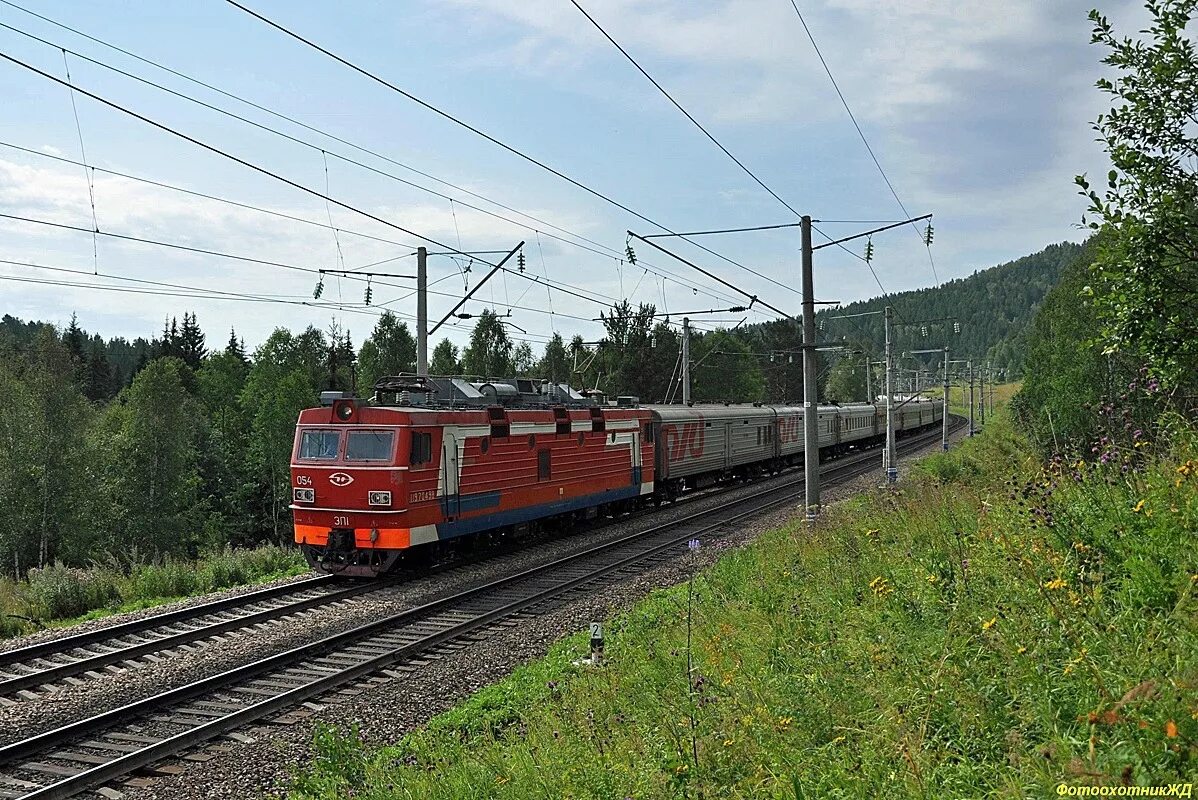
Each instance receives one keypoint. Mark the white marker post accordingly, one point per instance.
(596, 643)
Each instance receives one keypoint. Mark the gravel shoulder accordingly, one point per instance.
(386, 708)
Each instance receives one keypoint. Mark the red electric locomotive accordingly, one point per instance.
(449, 458)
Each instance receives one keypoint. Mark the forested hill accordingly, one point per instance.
(994, 307)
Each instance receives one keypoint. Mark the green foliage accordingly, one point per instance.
(1067, 374)
(41, 443)
(59, 592)
(1000, 635)
(56, 593)
(390, 350)
(994, 306)
(1145, 279)
(489, 353)
(146, 448)
(444, 360)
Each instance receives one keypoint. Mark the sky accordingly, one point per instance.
(980, 114)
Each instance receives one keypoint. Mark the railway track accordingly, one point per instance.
(92, 752)
(44, 664)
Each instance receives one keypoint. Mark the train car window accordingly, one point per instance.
(759, 436)
(649, 432)
(369, 445)
(422, 449)
(319, 445)
(544, 466)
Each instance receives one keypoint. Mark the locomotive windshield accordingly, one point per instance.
(369, 445)
(319, 445)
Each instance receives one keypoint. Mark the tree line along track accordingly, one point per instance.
(91, 752)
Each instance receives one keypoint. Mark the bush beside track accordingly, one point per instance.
(992, 627)
(58, 595)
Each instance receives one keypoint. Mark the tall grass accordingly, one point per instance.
(991, 628)
(56, 592)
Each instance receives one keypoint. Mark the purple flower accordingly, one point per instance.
(1153, 385)
(693, 544)
(1137, 433)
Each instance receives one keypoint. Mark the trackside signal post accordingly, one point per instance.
(944, 413)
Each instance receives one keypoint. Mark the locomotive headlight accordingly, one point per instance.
(379, 498)
(343, 409)
(304, 495)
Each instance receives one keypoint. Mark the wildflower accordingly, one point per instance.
(681, 768)
(1139, 506)
(932, 579)
(873, 533)
(1081, 547)
(838, 740)
(988, 624)
(1021, 650)
(501, 780)
(1056, 583)
(784, 722)
(729, 742)
(1171, 729)
(881, 586)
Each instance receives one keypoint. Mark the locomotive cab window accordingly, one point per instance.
(319, 445)
(369, 445)
(422, 449)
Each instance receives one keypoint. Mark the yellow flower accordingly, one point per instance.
(1139, 506)
(988, 624)
(1081, 547)
(838, 740)
(501, 780)
(729, 742)
(681, 768)
(932, 579)
(784, 722)
(872, 533)
(1021, 650)
(1056, 583)
(881, 586)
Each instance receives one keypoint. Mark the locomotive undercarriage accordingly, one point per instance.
(340, 556)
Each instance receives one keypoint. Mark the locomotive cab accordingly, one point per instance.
(348, 485)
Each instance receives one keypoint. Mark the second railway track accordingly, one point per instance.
(91, 752)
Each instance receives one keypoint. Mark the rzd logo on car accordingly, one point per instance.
(687, 442)
(340, 479)
(790, 429)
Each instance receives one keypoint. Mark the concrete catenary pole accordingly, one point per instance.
(810, 397)
(686, 361)
(969, 366)
(888, 458)
(422, 311)
(944, 423)
(869, 392)
(982, 393)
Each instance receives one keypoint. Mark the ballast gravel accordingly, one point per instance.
(386, 708)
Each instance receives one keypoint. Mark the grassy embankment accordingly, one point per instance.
(57, 595)
(993, 628)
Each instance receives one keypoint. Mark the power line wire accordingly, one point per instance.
(696, 123)
(457, 121)
(861, 133)
(322, 150)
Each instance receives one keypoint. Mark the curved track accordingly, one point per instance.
(91, 752)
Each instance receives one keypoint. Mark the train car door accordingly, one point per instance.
(728, 434)
(450, 475)
(637, 463)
